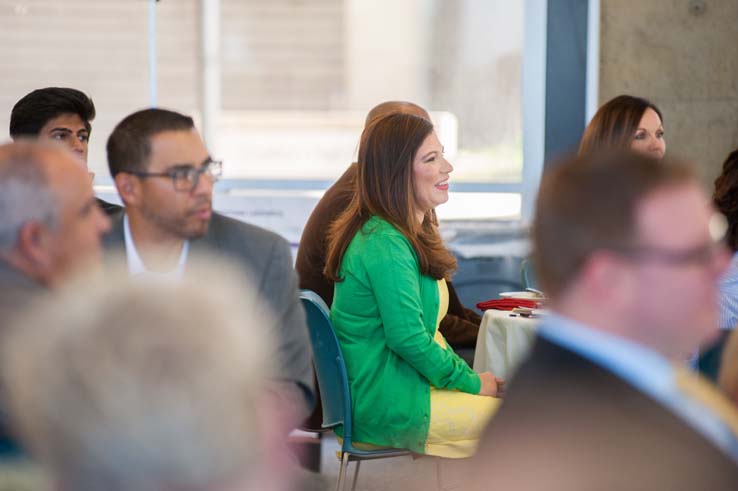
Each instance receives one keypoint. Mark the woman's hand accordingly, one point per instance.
(491, 385)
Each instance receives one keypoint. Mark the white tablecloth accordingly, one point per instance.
(503, 342)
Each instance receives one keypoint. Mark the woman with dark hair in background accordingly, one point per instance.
(386, 255)
(626, 122)
(725, 199)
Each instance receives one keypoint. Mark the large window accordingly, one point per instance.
(296, 79)
(100, 47)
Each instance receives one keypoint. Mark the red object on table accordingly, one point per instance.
(507, 304)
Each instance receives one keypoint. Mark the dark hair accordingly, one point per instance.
(726, 197)
(34, 110)
(384, 184)
(588, 203)
(129, 145)
(614, 124)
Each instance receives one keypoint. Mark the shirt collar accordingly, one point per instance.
(136, 265)
(644, 369)
(638, 365)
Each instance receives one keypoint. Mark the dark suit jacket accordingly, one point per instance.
(17, 293)
(568, 424)
(266, 258)
(460, 326)
(109, 208)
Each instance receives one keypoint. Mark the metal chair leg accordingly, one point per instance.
(342, 471)
(356, 475)
(439, 481)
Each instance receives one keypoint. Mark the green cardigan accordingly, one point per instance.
(385, 312)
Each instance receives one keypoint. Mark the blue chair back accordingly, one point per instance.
(329, 366)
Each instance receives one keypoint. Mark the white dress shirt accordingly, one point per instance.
(135, 263)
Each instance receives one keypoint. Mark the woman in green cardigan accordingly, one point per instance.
(409, 389)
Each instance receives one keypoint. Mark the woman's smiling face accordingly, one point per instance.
(430, 175)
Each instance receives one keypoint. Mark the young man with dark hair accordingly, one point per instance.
(61, 114)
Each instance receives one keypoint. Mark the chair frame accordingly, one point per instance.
(337, 410)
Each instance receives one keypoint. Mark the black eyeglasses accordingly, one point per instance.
(701, 255)
(185, 177)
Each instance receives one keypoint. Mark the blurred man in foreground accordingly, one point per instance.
(629, 251)
(50, 228)
(170, 394)
(50, 224)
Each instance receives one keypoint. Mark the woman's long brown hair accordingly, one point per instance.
(384, 187)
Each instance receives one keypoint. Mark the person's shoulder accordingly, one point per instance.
(333, 202)
(378, 241)
(377, 226)
(578, 396)
(378, 232)
(547, 355)
(224, 225)
(234, 237)
(343, 189)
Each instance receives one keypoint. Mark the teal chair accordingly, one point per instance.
(334, 387)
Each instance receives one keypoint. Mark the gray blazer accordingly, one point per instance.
(267, 259)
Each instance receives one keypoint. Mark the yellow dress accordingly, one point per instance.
(457, 419)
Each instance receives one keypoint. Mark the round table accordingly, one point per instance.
(504, 340)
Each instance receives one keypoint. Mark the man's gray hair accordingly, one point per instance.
(143, 384)
(25, 194)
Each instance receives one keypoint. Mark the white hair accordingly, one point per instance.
(25, 193)
(142, 384)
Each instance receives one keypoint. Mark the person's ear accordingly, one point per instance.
(609, 277)
(35, 245)
(129, 188)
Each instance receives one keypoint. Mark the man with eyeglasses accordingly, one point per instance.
(629, 252)
(165, 177)
(59, 114)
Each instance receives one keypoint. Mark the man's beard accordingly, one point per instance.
(178, 226)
